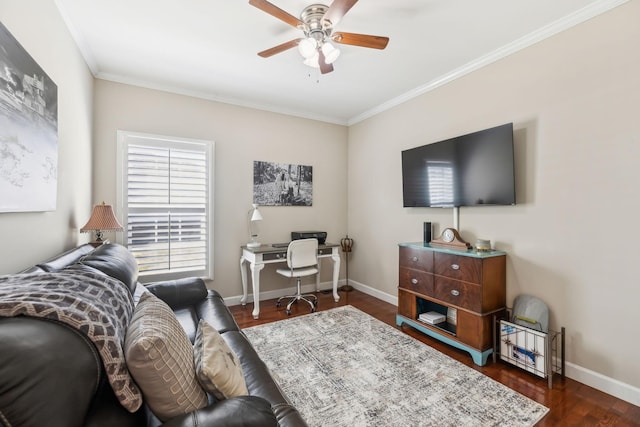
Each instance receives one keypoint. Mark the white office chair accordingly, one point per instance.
(302, 260)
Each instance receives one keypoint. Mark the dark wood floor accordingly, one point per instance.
(570, 402)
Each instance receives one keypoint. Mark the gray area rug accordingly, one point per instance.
(342, 367)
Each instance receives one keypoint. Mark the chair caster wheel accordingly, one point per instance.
(278, 304)
(288, 312)
(313, 310)
(315, 303)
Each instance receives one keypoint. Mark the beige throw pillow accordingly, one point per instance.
(159, 356)
(217, 366)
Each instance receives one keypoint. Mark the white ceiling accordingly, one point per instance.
(208, 48)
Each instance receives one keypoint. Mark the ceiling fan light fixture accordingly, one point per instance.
(313, 62)
(330, 53)
(307, 47)
(317, 22)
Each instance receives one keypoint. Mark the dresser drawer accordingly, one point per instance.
(417, 281)
(465, 295)
(458, 267)
(416, 258)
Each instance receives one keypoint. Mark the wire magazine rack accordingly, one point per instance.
(528, 348)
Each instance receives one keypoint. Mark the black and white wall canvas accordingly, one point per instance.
(28, 131)
(281, 184)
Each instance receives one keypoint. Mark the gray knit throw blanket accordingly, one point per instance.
(96, 305)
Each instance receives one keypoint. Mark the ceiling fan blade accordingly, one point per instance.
(276, 12)
(337, 10)
(363, 40)
(280, 48)
(324, 67)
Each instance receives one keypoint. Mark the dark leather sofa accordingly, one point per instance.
(51, 375)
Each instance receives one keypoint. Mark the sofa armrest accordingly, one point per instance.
(179, 293)
(244, 411)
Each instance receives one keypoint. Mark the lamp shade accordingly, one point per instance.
(102, 218)
(330, 53)
(256, 215)
(253, 217)
(313, 61)
(307, 47)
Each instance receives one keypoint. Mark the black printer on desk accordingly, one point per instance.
(320, 235)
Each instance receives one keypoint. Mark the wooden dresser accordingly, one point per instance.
(468, 287)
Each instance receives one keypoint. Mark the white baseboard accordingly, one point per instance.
(391, 299)
(605, 384)
(608, 385)
(277, 293)
(586, 376)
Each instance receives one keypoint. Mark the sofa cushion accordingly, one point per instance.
(191, 301)
(179, 293)
(116, 261)
(215, 312)
(217, 366)
(160, 358)
(243, 411)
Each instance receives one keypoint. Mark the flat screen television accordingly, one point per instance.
(469, 170)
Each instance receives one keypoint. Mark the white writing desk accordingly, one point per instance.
(268, 254)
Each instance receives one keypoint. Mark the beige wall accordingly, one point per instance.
(572, 239)
(573, 99)
(33, 236)
(241, 135)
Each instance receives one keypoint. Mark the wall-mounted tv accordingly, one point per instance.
(469, 170)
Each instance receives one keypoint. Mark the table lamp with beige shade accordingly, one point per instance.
(102, 219)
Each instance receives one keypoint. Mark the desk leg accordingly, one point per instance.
(243, 275)
(255, 278)
(335, 256)
(318, 275)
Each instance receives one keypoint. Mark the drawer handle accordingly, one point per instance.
(455, 293)
(414, 259)
(414, 281)
(455, 266)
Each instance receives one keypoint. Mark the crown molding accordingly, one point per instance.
(582, 15)
(223, 100)
(569, 21)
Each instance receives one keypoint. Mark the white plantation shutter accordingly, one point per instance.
(166, 200)
(440, 179)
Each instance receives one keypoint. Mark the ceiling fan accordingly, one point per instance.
(317, 22)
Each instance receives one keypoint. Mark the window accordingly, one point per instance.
(165, 203)
(440, 181)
